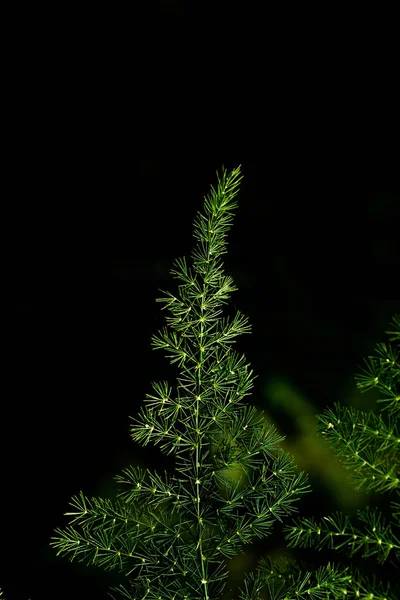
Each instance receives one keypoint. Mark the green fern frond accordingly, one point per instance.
(370, 449)
(173, 534)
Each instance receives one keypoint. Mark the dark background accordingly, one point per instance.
(90, 232)
(316, 266)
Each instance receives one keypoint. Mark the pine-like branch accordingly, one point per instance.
(370, 449)
(173, 534)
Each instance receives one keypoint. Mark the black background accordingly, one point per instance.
(91, 230)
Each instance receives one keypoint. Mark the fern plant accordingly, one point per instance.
(370, 448)
(171, 535)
